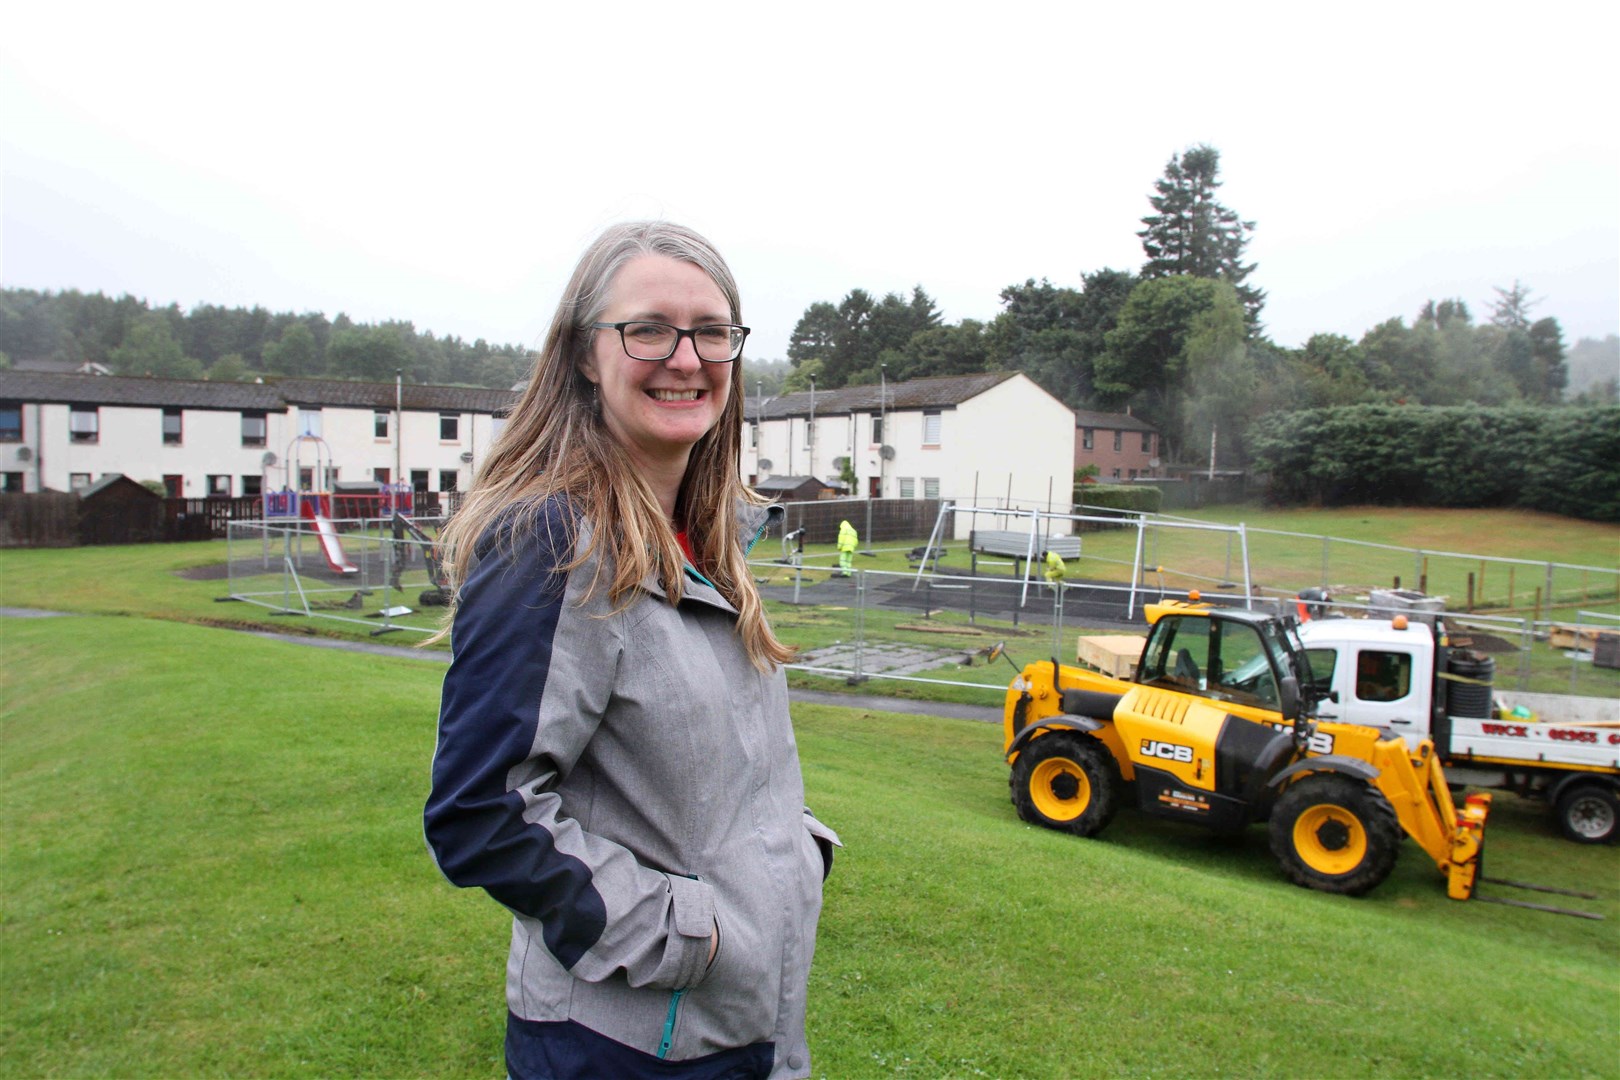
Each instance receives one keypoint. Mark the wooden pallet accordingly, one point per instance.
(1111, 654)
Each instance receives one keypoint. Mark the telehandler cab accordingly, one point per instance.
(1217, 727)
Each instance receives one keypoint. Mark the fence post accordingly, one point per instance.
(860, 628)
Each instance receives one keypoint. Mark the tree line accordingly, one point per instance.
(1180, 341)
(130, 337)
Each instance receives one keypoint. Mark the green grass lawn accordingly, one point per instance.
(213, 865)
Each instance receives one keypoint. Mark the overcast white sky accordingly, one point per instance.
(447, 163)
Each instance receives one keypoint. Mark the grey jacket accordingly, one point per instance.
(625, 782)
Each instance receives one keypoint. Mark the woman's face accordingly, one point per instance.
(658, 409)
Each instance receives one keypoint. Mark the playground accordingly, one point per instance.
(348, 552)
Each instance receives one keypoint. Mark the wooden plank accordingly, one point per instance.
(1111, 654)
(1564, 636)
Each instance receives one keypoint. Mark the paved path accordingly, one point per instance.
(874, 702)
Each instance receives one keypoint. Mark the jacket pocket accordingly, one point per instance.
(826, 840)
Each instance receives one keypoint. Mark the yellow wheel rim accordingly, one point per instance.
(1330, 839)
(1059, 789)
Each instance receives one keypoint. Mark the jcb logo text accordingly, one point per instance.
(1167, 751)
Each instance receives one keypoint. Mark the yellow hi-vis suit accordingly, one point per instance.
(847, 539)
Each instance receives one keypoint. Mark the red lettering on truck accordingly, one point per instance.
(1566, 735)
(1516, 730)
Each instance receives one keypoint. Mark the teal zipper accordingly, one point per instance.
(669, 1023)
(759, 532)
(749, 550)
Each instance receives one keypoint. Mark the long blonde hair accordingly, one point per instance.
(556, 444)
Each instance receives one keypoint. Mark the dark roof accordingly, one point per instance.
(117, 390)
(61, 367)
(1109, 421)
(116, 479)
(339, 393)
(785, 483)
(273, 395)
(937, 392)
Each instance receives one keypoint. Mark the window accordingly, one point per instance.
(1322, 662)
(449, 427)
(419, 479)
(174, 485)
(1382, 676)
(1147, 442)
(930, 487)
(379, 423)
(10, 421)
(810, 433)
(252, 485)
(1239, 667)
(84, 424)
(1088, 437)
(908, 488)
(11, 483)
(447, 479)
(380, 475)
(1133, 474)
(171, 427)
(253, 427)
(877, 430)
(309, 422)
(219, 486)
(1119, 440)
(1179, 654)
(78, 480)
(753, 436)
(930, 429)
(1116, 474)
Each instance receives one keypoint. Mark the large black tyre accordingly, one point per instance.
(1066, 782)
(1589, 814)
(1334, 833)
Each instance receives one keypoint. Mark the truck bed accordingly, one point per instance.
(1559, 741)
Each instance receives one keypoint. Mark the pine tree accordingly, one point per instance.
(1191, 233)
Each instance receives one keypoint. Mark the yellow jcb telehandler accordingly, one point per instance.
(1217, 727)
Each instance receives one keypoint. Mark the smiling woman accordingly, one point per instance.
(615, 761)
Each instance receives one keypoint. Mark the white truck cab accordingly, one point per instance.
(1390, 673)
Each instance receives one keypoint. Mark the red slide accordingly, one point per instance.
(331, 547)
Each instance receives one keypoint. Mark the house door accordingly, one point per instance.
(874, 487)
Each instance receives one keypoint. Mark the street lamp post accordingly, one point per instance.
(810, 430)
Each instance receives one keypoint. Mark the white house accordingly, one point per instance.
(199, 438)
(992, 439)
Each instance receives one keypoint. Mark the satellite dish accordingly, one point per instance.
(466, 457)
(25, 453)
(268, 459)
(765, 463)
(886, 452)
(840, 462)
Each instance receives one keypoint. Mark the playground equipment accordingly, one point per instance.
(363, 534)
(1038, 532)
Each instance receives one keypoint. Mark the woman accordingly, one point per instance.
(615, 761)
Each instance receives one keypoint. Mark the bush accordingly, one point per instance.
(1117, 498)
(1562, 460)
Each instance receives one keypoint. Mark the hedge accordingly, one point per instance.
(1561, 460)
(1128, 498)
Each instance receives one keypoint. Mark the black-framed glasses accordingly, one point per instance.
(716, 343)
